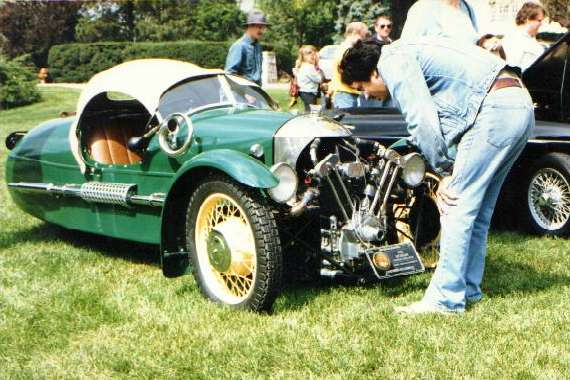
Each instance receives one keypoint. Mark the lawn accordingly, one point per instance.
(74, 305)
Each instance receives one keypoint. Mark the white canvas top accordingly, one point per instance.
(143, 79)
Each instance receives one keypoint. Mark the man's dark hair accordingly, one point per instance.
(359, 62)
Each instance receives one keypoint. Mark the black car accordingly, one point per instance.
(537, 190)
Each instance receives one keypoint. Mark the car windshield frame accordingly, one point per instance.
(229, 91)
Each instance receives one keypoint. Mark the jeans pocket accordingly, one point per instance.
(507, 121)
(509, 128)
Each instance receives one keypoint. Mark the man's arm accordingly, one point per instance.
(404, 78)
(233, 60)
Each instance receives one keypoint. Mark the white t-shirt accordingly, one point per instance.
(308, 78)
(521, 49)
(438, 18)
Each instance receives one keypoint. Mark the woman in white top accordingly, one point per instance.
(309, 77)
(521, 46)
(443, 18)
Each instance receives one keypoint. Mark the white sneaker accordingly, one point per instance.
(422, 308)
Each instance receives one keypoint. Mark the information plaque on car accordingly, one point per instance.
(404, 260)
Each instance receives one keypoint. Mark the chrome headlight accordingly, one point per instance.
(288, 182)
(413, 169)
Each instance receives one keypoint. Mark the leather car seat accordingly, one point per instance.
(107, 142)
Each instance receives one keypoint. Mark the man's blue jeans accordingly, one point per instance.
(485, 155)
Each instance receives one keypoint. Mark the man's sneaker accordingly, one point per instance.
(423, 308)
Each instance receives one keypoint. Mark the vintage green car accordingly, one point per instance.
(203, 164)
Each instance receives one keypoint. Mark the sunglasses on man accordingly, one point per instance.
(387, 26)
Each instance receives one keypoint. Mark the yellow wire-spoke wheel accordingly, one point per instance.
(225, 248)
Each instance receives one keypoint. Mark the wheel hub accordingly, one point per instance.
(219, 253)
(549, 198)
(229, 248)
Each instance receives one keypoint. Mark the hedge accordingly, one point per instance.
(17, 85)
(80, 61)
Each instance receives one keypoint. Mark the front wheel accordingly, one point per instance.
(234, 245)
(548, 195)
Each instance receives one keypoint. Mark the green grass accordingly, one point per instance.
(75, 305)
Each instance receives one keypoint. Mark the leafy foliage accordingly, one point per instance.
(79, 62)
(218, 20)
(159, 20)
(163, 20)
(359, 10)
(17, 85)
(298, 22)
(106, 21)
(34, 26)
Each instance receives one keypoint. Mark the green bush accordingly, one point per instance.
(17, 85)
(25, 60)
(79, 62)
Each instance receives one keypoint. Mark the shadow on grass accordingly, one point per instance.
(507, 276)
(503, 277)
(44, 233)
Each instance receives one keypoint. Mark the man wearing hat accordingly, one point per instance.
(244, 57)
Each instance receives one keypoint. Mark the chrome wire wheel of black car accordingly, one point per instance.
(234, 245)
(548, 195)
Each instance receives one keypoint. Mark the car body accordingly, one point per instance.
(327, 56)
(204, 165)
(536, 194)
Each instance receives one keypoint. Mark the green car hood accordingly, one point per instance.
(238, 130)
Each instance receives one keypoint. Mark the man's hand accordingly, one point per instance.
(445, 196)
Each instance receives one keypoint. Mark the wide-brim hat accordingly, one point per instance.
(256, 17)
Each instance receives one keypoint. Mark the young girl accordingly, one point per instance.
(309, 77)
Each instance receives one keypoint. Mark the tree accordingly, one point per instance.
(359, 10)
(298, 22)
(216, 20)
(100, 21)
(34, 26)
(558, 10)
(164, 20)
(159, 20)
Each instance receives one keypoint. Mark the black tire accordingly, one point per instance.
(547, 203)
(267, 276)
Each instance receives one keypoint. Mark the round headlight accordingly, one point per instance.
(287, 186)
(413, 169)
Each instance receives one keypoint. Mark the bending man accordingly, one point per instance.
(450, 95)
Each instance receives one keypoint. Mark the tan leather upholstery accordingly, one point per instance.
(108, 142)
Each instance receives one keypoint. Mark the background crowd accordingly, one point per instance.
(455, 19)
(76, 39)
